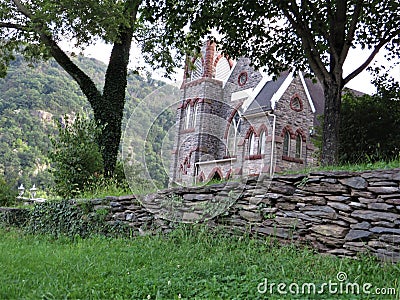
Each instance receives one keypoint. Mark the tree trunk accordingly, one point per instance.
(330, 136)
(107, 107)
(110, 110)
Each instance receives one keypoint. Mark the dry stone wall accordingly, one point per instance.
(341, 213)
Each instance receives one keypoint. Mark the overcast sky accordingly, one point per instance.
(355, 58)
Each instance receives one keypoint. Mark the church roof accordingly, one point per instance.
(263, 99)
(267, 95)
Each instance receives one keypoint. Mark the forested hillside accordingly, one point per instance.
(35, 96)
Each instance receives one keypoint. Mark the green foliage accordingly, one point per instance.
(191, 263)
(34, 96)
(7, 193)
(154, 143)
(138, 182)
(68, 219)
(35, 28)
(311, 36)
(76, 156)
(370, 129)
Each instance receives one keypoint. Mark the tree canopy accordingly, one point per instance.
(310, 35)
(36, 96)
(36, 27)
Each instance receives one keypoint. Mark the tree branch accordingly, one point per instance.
(84, 81)
(352, 29)
(23, 9)
(337, 32)
(119, 59)
(308, 45)
(12, 26)
(377, 48)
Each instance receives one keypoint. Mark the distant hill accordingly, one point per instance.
(33, 97)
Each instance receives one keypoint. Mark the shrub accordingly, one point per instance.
(7, 193)
(76, 156)
(370, 129)
(70, 219)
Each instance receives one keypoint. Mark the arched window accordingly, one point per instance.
(188, 112)
(233, 133)
(286, 144)
(222, 69)
(262, 143)
(298, 146)
(195, 113)
(197, 71)
(252, 143)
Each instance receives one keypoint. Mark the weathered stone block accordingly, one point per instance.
(272, 231)
(384, 224)
(375, 215)
(363, 225)
(330, 230)
(363, 194)
(395, 201)
(341, 252)
(286, 206)
(299, 215)
(130, 217)
(369, 200)
(290, 222)
(358, 182)
(356, 234)
(390, 238)
(383, 183)
(346, 218)
(250, 216)
(385, 230)
(357, 246)
(284, 189)
(380, 206)
(340, 206)
(383, 189)
(119, 216)
(338, 198)
(357, 205)
(320, 211)
(325, 187)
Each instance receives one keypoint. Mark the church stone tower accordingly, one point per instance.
(201, 114)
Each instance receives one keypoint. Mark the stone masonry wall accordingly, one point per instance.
(340, 213)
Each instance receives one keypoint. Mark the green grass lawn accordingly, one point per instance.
(189, 264)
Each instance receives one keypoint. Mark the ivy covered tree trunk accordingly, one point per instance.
(108, 106)
(109, 111)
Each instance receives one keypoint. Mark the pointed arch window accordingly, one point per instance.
(252, 143)
(197, 71)
(188, 112)
(233, 134)
(286, 144)
(195, 113)
(262, 142)
(222, 69)
(299, 145)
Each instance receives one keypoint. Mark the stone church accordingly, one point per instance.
(234, 121)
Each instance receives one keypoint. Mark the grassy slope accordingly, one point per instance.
(193, 265)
